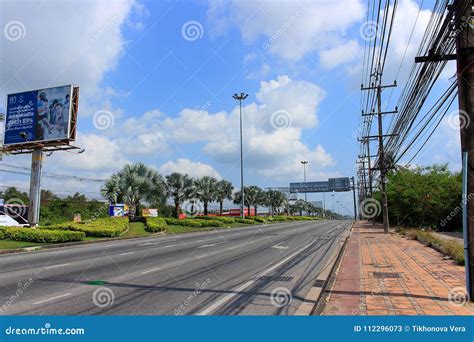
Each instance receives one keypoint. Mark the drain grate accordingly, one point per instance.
(386, 275)
(274, 278)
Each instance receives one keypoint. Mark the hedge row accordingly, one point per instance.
(222, 219)
(245, 221)
(41, 235)
(155, 224)
(194, 223)
(103, 227)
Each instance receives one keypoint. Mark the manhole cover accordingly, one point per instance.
(386, 275)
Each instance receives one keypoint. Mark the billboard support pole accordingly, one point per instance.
(35, 187)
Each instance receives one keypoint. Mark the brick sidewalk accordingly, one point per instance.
(386, 274)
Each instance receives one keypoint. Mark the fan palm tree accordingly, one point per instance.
(205, 189)
(179, 187)
(223, 191)
(275, 199)
(132, 185)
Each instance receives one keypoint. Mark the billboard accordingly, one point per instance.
(38, 116)
(332, 184)
(149, 212)
(118, 210)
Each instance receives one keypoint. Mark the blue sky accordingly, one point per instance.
(155, 92)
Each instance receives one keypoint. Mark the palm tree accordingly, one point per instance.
(223, 191)
(252, 197)
(205, 190)
(132, 185)
(179, 187)
(275, 199)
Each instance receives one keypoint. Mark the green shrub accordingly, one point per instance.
(104, 227)
(155, 224)
(41, 235)
(212, 223)
(245, 221)
(186, 222)
(259, 219)
(222, 219)
(280, 218)
(2, 235)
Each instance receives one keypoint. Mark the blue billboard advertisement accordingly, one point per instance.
(38, 116)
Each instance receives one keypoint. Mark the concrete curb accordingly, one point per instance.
(314, 295)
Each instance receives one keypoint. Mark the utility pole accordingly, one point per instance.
(304, 162)
(381, 153)
(465, 75)
(354, 197)
(35, 187)
(239, 98)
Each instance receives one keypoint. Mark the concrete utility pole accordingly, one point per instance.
(304, 162)
(354, 197)
(35, 187)
(239, 98)
(381, 153)
(465, 76)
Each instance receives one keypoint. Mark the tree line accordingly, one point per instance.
(137, 184)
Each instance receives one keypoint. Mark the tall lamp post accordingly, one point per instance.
(239, 98)
(304, 162)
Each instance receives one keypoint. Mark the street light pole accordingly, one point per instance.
(304, 162)
(239, 98)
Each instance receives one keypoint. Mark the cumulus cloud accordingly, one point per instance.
(62, 44)
(192, 168)
(288, 30)
(272, 132)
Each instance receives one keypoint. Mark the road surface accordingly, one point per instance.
(256, 270)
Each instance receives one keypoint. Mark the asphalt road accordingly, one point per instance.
(257, 270)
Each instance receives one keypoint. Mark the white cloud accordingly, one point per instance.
(269, 144)
(102, 156)
(193, 169)
(290, 29)
(63, 43)
(343, 53)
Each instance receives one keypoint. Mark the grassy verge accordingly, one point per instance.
(451, 248)
(11, 244)
(136, 229)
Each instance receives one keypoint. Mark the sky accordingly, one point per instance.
(156, 82)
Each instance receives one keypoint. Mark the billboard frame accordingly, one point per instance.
(53, 144)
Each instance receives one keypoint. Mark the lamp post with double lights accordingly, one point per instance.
(240, 98)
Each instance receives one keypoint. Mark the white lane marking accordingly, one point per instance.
(209, 245)
(126, 253)
(149, 243)
(277, 246)
(198, 240)
(52, 298)
(151, 270)
(59, 252)
(242, 287)
(201, 256)
(54, 266)
(168, 246)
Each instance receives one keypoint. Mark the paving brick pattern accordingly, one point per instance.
(386, 274)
